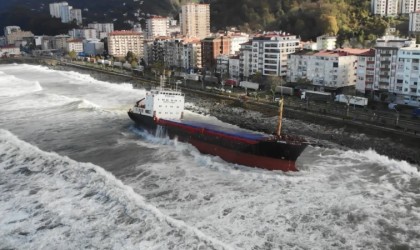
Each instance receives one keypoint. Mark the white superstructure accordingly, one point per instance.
(161, 103)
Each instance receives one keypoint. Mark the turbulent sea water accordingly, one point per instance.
(76, 173)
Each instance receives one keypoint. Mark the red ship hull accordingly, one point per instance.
(243, 158)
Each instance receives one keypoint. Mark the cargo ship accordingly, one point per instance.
(162, 111)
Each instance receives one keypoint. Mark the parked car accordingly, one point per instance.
(416, 113)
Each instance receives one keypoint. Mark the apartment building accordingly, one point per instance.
(76, 14)
(365, 73)
(222, 66)
(385, 7)
(234, 68)
(326, 42)
(156, 26)
(55, 9)
(407, 78)
(93, 47)
(408, 6)
(60, 42)
(195, 20)
(17, 35)
(386, 60)
(327, 69)
(211, 47)
(236, 40)
(120, 42)
(154, 51)
(102, 29)
(414, 22)
(245, 60)
(83, 33)
(75, 45)
(269, 53)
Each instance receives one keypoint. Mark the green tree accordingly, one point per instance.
(72, 55)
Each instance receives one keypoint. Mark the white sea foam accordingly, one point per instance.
(50, 201)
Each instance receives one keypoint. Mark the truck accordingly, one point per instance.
(284, 90)
(231, 82)
(249, 85)
(315, 95)
(352, 100)
(192, 77)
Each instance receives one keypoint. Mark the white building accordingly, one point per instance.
(385, 7)
(120, 42)
(236, 39)
(65, 13)
(407, 78)
(75, 45)
(156, 26)
(195, 20)
(325, 69)
(103, 29)
(269, 53)
(386, 59)
(408, 6)
(414, 22)
(83, 33)
(326, 42)
(55, 9)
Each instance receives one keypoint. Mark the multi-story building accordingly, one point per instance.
(385, 7)
(76, 14)
(156, 26)
(365, 73)
(102, 29)
(93, 47)
(236, 40)
(195, 20)
(269, 53)
(154, 51)
(211, 47)
(65, 13)
(386, 60)
(83, 33)
(325, 69)
(234, 69)
(55, 9)
(326, 42)
(222, 66)
(414, 22)
(11, 29)
(120, 42)
(192, 54)
(75, 45)
(17, 35)
(60, 42)
(408, 6)
(407, 78)
(245, 60)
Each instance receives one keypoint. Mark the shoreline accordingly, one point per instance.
(322, 130)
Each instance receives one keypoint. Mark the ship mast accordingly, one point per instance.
(278, 130)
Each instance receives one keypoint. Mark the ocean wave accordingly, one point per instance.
(50, 201)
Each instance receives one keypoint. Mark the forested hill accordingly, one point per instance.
(307, 18)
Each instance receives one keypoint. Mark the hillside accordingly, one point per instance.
(307, 18)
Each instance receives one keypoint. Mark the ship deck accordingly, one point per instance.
(226, 131)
